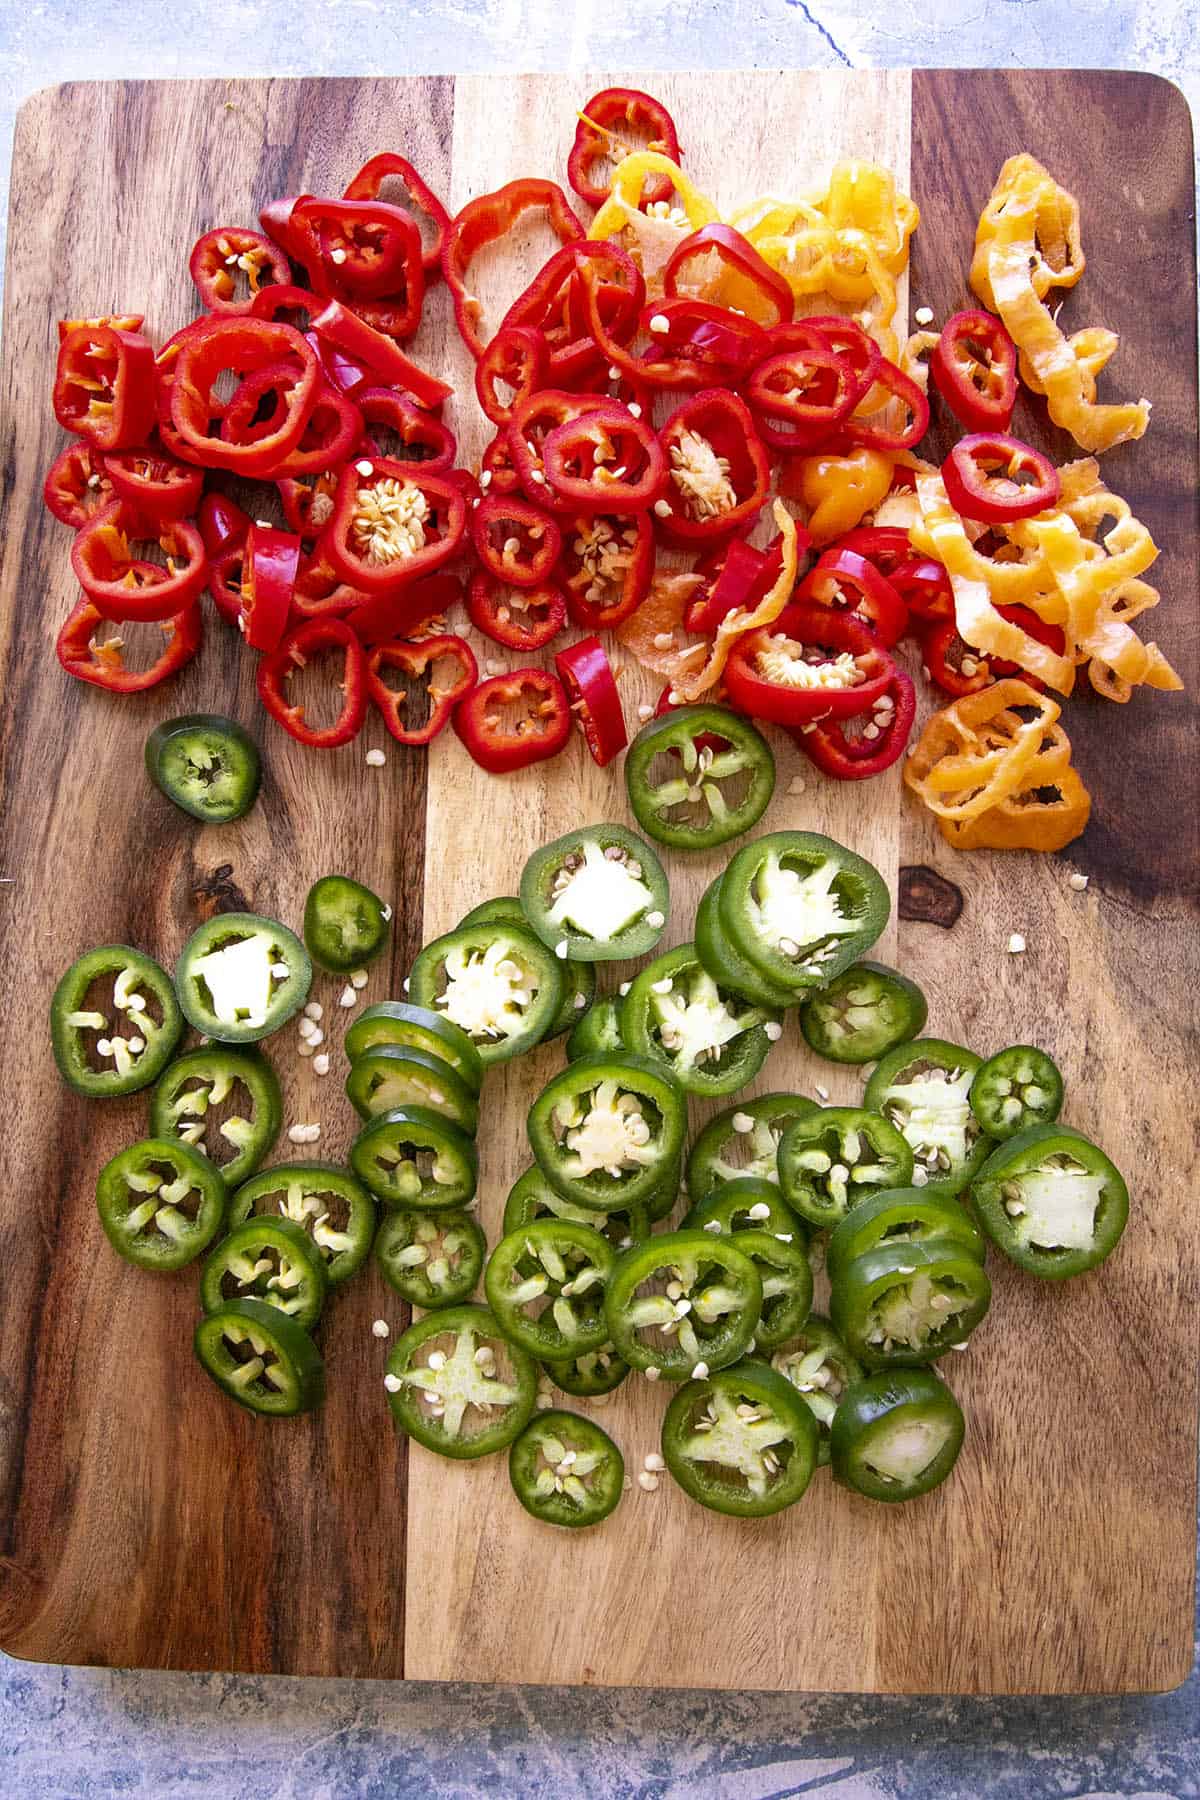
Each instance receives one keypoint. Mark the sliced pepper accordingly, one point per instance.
(743, 1142)
(855, 749)
(219, 256)
(419, 1027)
(368, 183)
(518, 618)
(587, 676)
(899, 1216)
(260, 1358)
(391, 523)
(77, 484)
(708, 1323)
(482, 720)
(983, 476)
(410, 1156)
(394, 1075)
(812, 662)
(719, 475)
(515, 541)
(607, 1130)
(114, 1022)
(901, 1305)
(270, 1260)
(974, 368)
(1016, 1088)
(414, 659)
(299, 647)
(206, 765)
(801, 908)
(820, 1368)
(225, 1102)
(495, 980)
(486, 220)
(241, 976)
(466, 1403)
(122, 586)
(1052, 1201)
(560, 1270)
(710, 1039)
(566, 1471)
(597, 894)
(104, 385)
(896, 1435)
(88, 657)
(160, 1203)
(334, 1209)
(597, 140)
(836, 1156)
(862, 1014)
(741, 1441)
(432, 1260)
(690, 810)
(923, 1089)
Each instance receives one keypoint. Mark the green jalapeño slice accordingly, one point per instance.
(801, 908)
(458, 1386)
(531, 1197)
(905, 1304)
(1016, 1088)
(224, 1102)
(836, 1156)
(206, 765)
(787, 1283)
(740, 1441)
(608, 1130)
(160, 1203)
(900, 1216)
(596, 894)
(114, 1022)
(413, 1157)
(714, 782)
(565, 1470)
(261, 1358)
(683, 1302)
(862, 1014)
(1052, 1201)
(272, 1260)
(896, 1435)
(747, 1203)
(431, 1259)
(545, 1284)
(395, 1022)
(820, 1368)
(345, 924)
(744, 1141)
(496, 981)
(240, 977)
(393, 1075)
(923, 1088)
(709, 1038)
(599, 1030)
(326, 1202)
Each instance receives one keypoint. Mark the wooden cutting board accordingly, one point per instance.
(144, 1520)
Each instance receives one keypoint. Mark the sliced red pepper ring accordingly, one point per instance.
(554, 304)
(606, 566)
(341, 372)
(514, 540)
(101, 660)
(997, 479)
(391, 523)
(587, 675)
(220, 256)
(364, 250)
(368, 184)
(275, 219)
(844, 336)
(225, 580)
(514, 720)
(598, 140)
(696, 344)
(155, 483)
(718, 263)
(924, 586)
(883, 434)
(950, 662)
(533, 419)
(417, 436)
(717, 466)
(306, 644)
(413, 660)
(123, 586)
(105, 388)
(270, 560)
(77, 484)
(974, 369)
(519, 358)
(408, 610)
(855, 749)
(810, 663)
(605, 461)
(848, 582)
(331, 434)
(887, 546)
(519, 618)
(801, 397)
(735, 576)
(295, 305)
(346, 331)
(486, 220)
(497, 471)
(320, 592)
(204, 352)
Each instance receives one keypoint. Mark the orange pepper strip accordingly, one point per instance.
(660, 615)
(978, 751)
(735, 624)
(1057, 253)
(839, 490)
(1027, 820)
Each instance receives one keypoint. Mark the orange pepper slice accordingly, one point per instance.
(978, 751)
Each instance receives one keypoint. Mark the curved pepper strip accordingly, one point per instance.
(849, 755)
(595, 140)
(979, 750)
(1086, 583)
(154, 482)
(838, 489)
(104, 385)
(737, 622)
(299, 647)
(103, 664)
(124, 587)
(487, 219)
(730, 271)
(1057, 259)
(655, 234)
(587, 675)
(348, 332)
(413, 659)
(499, 746)
(367, 183)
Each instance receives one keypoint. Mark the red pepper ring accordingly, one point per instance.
(514, 540)
(225, 580)
(487, 219)
(763, 676)
(155, 483)
(270, 560)
(533, 419)
(519, 618)
(982, 481)
(847, 582)
(878, 434)
(924, 586)
(605, 461)
(320, 592)
(554, 304)
(302, 646)
(497, 471)
(596, 140)
(736, 577)
(845, 336)
(245, 345)
(421, 438)
(951, 663)
(829, 744)
(801, 397)
(77, 484)
(124, 587)
(339, 326)
(748, 281)
(368, 183)
(258, 405)
(588, 677)
(718, 468)
(406, 611)
(275, 219)
(696, 343)
(484, 724)
(391, 523)
(105, 386)
(606, 565)
(414, 659)
(103, 664)
(974, 369)
(365, 249)
(222, 522)
(219, 254)
(271, 302)
(519, 357)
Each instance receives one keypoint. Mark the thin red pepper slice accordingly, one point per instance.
(405, 612)
(695, 344)
(724, 425)
(297, 302)
(347, 332)
(207, 350)
(331, 433)
(222, 522)
(755, 689)
(924, 586)
(216, 256)
(304, 645)
(587, 675)
(519, 618)
(275, 219)
(981, 473)
(830, 331)
(392, 523)
(495, 742)
(270, 560)
(497, 471)
(886, 546)
(368, 183)
(606, 566)
(486, 220)
(735, 576)
(155, 483)
(414, 659)
(320, 592)
(341, 372)
(943, 654)
(514, 540)
(801, 397)
(105, 387)
(762, 292)
(77, 484)
(605, 461)
(974, 369)
(533, 419)
(878, 435)
(419, 436)
(123, 587)
(363, 250)
(102, 663)
(847, 756)
(597, 140)
(554, 304)
(848, 582)
(307, 503)
(225, 580)
(519, 357)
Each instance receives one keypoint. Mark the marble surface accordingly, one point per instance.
(81, 1734)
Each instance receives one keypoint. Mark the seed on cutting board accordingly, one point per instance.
(1078, 882)
(348, 997)
(380, 1328)
(375, 759)
(321, 1064)
(647, 1482)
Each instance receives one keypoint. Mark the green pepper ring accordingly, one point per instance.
(388, 1064)
(635, 939)
(543, 1336)
(861, 885)
(746, 1053)
(635, 1074)
(861, 1044)
(285, 1000)
(944, 1055)
(875, 1220)
(684, 725)
(734, 1332)
(427, 1131)
(251, 1068)
(315, 1178)
(397, 1022)
(872, 1274)
(397, 1233)
(69, 996)
(866, 1404)
(887, 1147)
(241, 777)
(557, 1507)
(476, 1323)
(705, 1169)
(345, 924)
(293, 1346)
(160, 1253)
(286, 1238)
(1109, 1220)
(544, 1006)
(755, 1384)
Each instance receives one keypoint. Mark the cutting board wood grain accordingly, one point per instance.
(144, 1521)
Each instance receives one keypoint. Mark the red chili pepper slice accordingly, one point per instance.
(519, 618)
(275, 219)
(484, 723)
(408, 610)
(368, 183)
(735, 576)
(77, 484)
(413, 659)
(997, 479)
(801, 397)
(848, 582)
(417, 436)
(847, 754)
(811, 663)
(222, 522)
(122, 586)
(606, 566)
(363, 250)
(587, 675)
(951, 663)
(307, 502)
(974, 369)
(320, 592)
(497, 472)
(466, 483)
(924, 586)
(155, 483)
(486, 220)
(332, 432)
(391, 523)
(225, 580)
(118, 321)
(216, 259)
(695, 344)
(533, 419)
(105, 387)
(295, 305)
(886, 546)
(879, 435)
(341, 372)
(718, 469)
(553, 304)
(347, 332)
(206, 351)
(597, 140)
(605, 461)
(270, 560)
(302, 646)
(830, 331)
(514, 540)
(103, 664)
(519, 357)
(759, 290)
